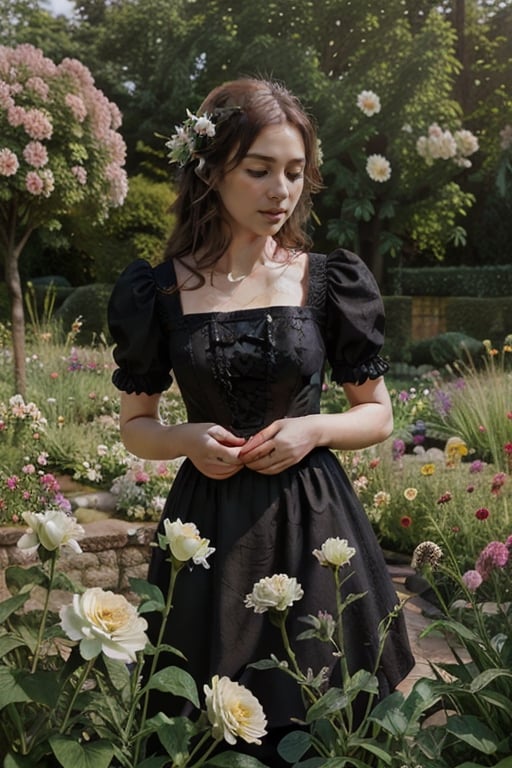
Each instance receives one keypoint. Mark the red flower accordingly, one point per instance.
(482, 513)
(444, 498)
(508, 448)
(405, 521)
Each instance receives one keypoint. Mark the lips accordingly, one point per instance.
(274, 212)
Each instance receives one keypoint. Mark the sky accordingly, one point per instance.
(61, 6)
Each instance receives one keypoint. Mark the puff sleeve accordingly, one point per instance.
(141, 348)
(354, 330)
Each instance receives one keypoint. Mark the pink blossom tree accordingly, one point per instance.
(60, 151)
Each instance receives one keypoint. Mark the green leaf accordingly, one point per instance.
(151, 596)
(373, 747)
(235, 760)
(472, 731)
(294, 745)
(176, 681)
(118, 673)
(11, 605)
(265, 664)
(40, 687)
(332, 701)
(455, 627)
(486, 677)
(175, 734)
(389, 715)
(10, 690)
(18, 578)
(71, 754)
(362, 680)
(9, 642)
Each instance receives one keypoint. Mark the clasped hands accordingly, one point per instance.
(269, 451)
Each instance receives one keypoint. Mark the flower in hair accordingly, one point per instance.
(189, 138)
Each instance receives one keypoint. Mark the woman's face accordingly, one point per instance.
(262, 191)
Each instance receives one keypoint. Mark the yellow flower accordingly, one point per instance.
(234, 712)
(428, 469)
(410, 494)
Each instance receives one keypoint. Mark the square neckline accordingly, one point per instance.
(240, 311)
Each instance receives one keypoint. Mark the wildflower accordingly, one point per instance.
(482, 513)
(51, 529)
(493, 556)
(497, 483)
(476, 466)
(378, 168)
(234, 712)
(472, 580)
(406, 521)
(470, 488)
(369, 103)
(277, 593)
(9, 163)
(410, 493)
(185, 542)
(104, 622)
(334, 552)
(426, 553)
(508, 542)
(428, 469)
(398, 449)
(445, 498)
(381, 499)
(508, 449)
(374, 463)
(324, 626)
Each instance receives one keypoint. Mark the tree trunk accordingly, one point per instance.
(13, 283)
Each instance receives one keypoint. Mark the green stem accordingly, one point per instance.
(78, 687)
(175, 569)
(198, 747)
(42, 626)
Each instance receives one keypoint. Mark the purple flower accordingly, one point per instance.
(403, 396)
(398, 448)
(476, 466)
(472, 580)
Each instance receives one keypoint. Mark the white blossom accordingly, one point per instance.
(234, 712)
(276, 592)
(51, 529)
(334, 552)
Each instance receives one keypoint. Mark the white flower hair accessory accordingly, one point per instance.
(193, 134)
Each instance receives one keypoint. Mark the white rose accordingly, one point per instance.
(104, 622)
(276, 592)
(185, 542)
(234, 712)
(334, 552)
(51, 529)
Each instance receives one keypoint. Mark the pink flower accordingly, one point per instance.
(497, 482)
(12, 482)
(482, 513)
(8, 162)
(16, 116)
(36, 154)
(34, 183)
(494, 555)
(77, 107)
(37, 125)
(79, 173)
(476, 466)
(141, 476)
(28, 469)
(472, 580)
(508, 542)
(38, 86)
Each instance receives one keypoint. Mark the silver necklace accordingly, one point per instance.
(232, 279)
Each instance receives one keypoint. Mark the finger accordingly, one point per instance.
(257, 440)
(224, 437)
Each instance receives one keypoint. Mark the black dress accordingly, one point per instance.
(244, 369)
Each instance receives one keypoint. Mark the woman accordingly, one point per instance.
(247, 319)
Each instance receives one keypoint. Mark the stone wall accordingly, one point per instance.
(112, 552)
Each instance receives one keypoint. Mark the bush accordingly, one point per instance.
(445, 349)
(481, 318)
(90, 303)
(398, 326)
(490, 281)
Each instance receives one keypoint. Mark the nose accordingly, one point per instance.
(278, 189)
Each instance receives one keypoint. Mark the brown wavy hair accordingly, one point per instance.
(244, 107)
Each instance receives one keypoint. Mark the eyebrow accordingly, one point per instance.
(269, 159)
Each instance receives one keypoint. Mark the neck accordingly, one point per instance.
(243, 258)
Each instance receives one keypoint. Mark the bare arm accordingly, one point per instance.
(369, 420)
(213, 449)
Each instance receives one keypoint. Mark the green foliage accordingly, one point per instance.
(489, 281)
(398, 327)
(444, 349)
(89, 302)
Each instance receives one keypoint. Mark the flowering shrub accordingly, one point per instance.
(32, 488)
(142, 490)
(59, 135)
